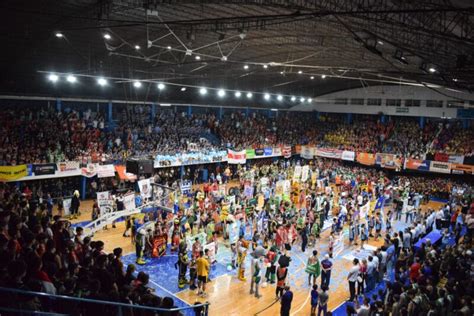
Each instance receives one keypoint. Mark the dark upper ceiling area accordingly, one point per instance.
(288, 45)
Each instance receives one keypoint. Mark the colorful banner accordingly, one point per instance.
(236, 157)
(307, 152)
(123, 174)
(462, 169)
(286, 151)
(90, 171)
(348, 155)
(186, 186)
(305, 173)
(104, 202)
(145, 188)
(366, 159)
(44, 169)
(105, 171)
(328, 153)
(277, 151)
(8, 173)
(129, 201)
(449, 158)
(259, 152)
(415, 164)
(440, 167)
(388, 161)
(250, 153)
(191, 158)
(248, 190)
(297, 173)
(159, 246)
(267, 151)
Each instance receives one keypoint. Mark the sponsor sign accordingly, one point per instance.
(440, 167)
(250, 153)
(348, 155)
(277, 151)
(9, 173)
(388, 161)
(44, 169)
(267, 151)
(145, 188)
(415, 164)
(366, 159)
(105, 171)
(123, 174)
(328, 153)
(259, 152)
(68, 166)
(90, 171)
(129, 201)
(462, 169)
(236, 157)
(104, 201)
(186, 186)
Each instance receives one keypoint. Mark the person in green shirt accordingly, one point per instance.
(313, 268)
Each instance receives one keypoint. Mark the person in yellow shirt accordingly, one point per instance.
(203, 273)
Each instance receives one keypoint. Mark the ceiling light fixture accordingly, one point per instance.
(266, 96)
(197, 57)
(107, 36)
(312, 77)
(249, 95)
(102, 82)
(203, 91)
(302, 99)
(265, 66)
(71, 79)
(169, 47)
(293, 98)
(238, 94)
(53, 77)
(323, 76)
(221, 93)
(137, 47)
(279, 97)
(300, 72)
(59, 34)
(246, 66)
(137, 84)
(224, 58)
(161, 86)
(183, 89)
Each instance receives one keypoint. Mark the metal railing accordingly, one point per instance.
(20, 302)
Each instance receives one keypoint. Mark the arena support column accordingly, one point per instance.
(422, 122)
(58, 105)
(220, 113)
(349, 118)
(83, 188)
(109, 112)
(181, 172)
(190, 110)
(153, 111)
(465, 123)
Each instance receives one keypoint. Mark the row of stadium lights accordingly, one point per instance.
(221, 93)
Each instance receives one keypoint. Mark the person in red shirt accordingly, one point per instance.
(415, 270)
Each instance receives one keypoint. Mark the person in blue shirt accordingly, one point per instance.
(391, 259)
(314, 299)
(286, 300)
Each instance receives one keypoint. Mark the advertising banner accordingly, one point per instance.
(449, 158)
(328, 153)
(415, 164)
(105, 171)
(44, 169)
(90, 171)
(388, 161)
(286, 151)
(250, 153)
(236, 157)
(8, 173)
(307, 152)
(248, 191)
(145, 188)
(123, 174)
(440, 167)
(366, 159)
(104, 201)
(348, 155)
(68, 166)
(277, 151)
(267, 151)
(461, 169)
(67, 206)
(186, 186)
(259, 152)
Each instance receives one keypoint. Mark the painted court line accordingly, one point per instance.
(165, 290)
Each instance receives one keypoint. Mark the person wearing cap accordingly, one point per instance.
(326, 267)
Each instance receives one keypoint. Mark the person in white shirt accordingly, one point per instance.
(364, 309)
(352, 278)
(371, 271)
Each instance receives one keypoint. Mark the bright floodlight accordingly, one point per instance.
(53, 77)
(137, 47)
(265, 66)
(266, 96)
(137, 84)
(312, 77)
(300, 72)
(169, 47)
(279, 97)
(161, 86)
(203, 91)
(183, 89)
(293, 99)
(249, 95)
(221, 93)
(224, 58)
(197, 57)
(246, 66)
(59, 34)
(71, 79)
(432, 70)
(302, 99)
(310, 100)
(323, 76)
(107, 36)
(238, 94)
(101, 81)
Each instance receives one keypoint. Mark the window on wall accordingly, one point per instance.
(394, 102)
(357, 101)
(434, 103)
(412, 103)
(455, 104)
(374, 102)
(340, 101)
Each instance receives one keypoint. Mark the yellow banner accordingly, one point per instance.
(9, 173)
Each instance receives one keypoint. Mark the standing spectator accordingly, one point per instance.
(314, 299)
(326, 267)
(352, 278)
(202, 273)
(286, 300)
(75, 203)
(323, 301)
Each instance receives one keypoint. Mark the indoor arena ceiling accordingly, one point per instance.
(289, 46)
